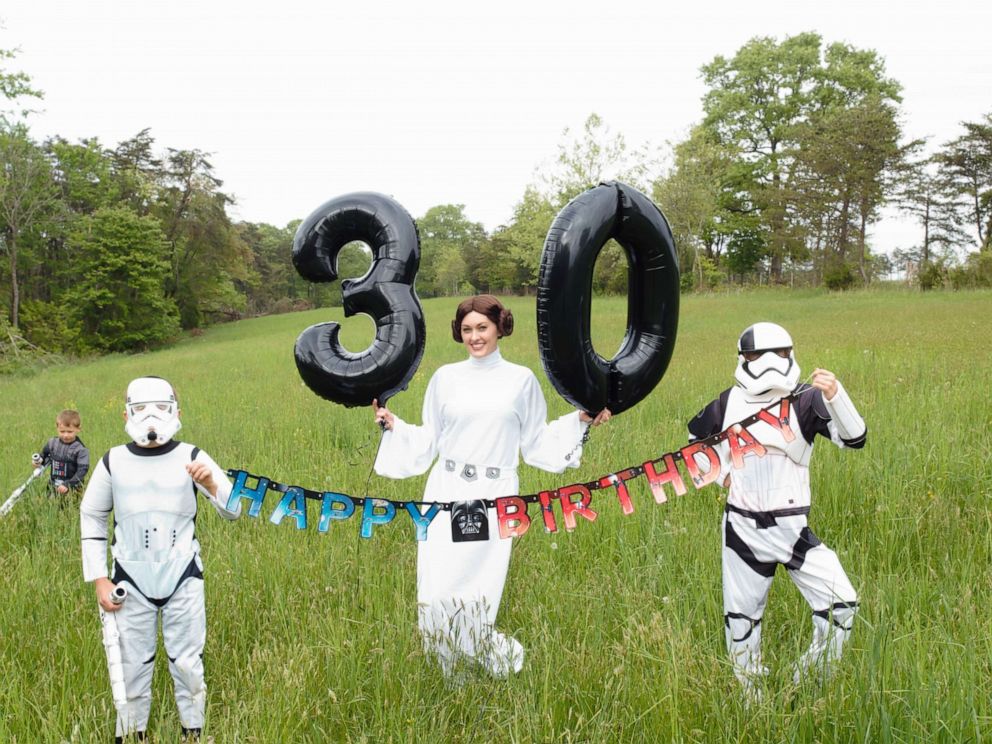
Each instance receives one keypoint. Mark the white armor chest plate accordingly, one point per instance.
(154, 511)
(780, 478)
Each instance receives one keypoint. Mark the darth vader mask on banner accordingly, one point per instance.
(469, 521)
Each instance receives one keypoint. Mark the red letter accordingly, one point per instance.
(511, 511)
(669, 475)
(781, 422)
(619, 480)
(751, 444)
(700, 479)
(570, 508)
(547, 512)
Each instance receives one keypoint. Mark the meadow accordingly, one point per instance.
(312, 637)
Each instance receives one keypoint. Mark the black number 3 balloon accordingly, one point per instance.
(564, 298)
(385, 293)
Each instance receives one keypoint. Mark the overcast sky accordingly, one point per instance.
(443, 102)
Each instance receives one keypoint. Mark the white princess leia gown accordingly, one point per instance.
(478, 414)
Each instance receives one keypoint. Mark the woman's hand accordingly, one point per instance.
(601, 418)
(383, 416)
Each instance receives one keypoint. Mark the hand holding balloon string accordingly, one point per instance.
(600, 418)
(383, 416)
(824, 379)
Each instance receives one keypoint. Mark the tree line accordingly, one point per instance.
(116, 248)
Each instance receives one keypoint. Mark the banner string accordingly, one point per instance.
(607, 481)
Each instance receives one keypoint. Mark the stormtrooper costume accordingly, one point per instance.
(155, 552)
(765, 522)
(478, 415)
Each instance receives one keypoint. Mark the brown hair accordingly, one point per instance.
(487, 305)
(69, 417)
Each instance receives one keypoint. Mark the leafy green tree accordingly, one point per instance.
(83, 172)
(929, 196)
(745, 249)
(846, 158)
(595, 155)
(137, 171)
(448, 239)
(27, 197)
(699, 196)
(967, 164)
(207, 255)
(118, 302)
(83, 176)
(271, 284)
(451, 277)
(492, 268)
(758, 102)
(585, 160)
(522, 241)
(15, 87)
(975, 271)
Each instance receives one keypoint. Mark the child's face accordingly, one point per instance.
(67, 432)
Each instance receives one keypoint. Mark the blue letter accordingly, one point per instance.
(422, 521)
(370, 517)
(255, 495)
(328, 512)
(299, 512)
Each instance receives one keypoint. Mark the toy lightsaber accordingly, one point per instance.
(112, 645)
(19, 491)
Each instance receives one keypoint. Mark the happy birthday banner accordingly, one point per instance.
(511, 511)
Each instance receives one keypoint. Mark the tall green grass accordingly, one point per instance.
(312, 637)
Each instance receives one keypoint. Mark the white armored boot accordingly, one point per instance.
(744, 644)
(831, 629)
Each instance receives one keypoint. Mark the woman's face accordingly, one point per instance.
(479, 334)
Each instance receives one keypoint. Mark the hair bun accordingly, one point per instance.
(505, 322)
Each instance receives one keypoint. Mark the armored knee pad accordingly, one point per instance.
(740, 627)
(840, 615)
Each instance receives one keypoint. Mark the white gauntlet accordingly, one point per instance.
(850, 425)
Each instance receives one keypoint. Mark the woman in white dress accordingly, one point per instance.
(478, 414)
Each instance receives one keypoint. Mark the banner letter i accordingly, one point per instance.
(547, 512)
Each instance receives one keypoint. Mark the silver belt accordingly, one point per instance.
(470, 472)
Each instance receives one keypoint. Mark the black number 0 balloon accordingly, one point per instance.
(385, 293)
(564, 298)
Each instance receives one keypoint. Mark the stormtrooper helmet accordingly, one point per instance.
(152, 411)
(765, 361)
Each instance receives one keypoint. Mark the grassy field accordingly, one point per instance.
(312, 637)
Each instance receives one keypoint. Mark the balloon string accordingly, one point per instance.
(368, 481)
(582, 442)
(807, 381)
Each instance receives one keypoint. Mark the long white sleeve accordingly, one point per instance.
(407, 449)
(223, 487)
(846, 422)
(546, 445)
(94, 514)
